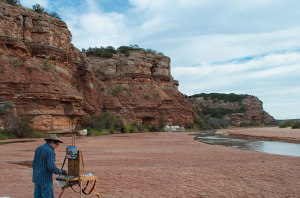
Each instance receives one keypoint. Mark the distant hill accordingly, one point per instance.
(294, 120)
(218, 110)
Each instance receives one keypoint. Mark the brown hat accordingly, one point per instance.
(53, 137)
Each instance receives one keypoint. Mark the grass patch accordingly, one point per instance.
(93, 132)
(3, 136)
(135, 128)
(37, 134)
(131, 129)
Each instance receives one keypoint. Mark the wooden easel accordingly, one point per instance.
(74, 169)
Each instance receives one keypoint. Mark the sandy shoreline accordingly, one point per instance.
(264, 133)
(161, 165)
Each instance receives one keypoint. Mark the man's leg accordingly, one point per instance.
(47, 191)
(37, 191)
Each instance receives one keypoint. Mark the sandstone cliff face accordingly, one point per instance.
(36, 68)
(53, 83)
(248, 111)
(140, 89)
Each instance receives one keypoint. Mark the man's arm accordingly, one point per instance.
(51, 164)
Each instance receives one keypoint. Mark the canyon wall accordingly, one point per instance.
(55, 85)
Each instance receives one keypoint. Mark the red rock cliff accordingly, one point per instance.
(53, 83)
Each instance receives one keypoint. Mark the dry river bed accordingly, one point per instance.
(163, 165)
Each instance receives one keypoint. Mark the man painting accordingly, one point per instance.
(44, 166)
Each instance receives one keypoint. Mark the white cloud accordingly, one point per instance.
(274, 78)
(106, 30)
(96, 28)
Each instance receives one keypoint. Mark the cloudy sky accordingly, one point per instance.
(221, 46)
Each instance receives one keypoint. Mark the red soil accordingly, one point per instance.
(160, 165)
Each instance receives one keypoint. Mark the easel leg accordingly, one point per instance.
(64, 188)
(80, 188)
(96, 192)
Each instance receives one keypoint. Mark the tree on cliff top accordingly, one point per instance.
(13, 2)
(220, 96)
(105, 52)
(38, 8)
(108, 52)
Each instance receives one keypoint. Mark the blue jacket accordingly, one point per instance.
(44, 165)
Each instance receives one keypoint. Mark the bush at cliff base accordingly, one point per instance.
(296, 125)
(3, 136)
(290, 123)
(104, 121)
(93, 132)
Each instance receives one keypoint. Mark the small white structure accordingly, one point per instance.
(174, 128)
(83, 132)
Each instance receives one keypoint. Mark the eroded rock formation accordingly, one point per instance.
(245, 110)
(53, 83)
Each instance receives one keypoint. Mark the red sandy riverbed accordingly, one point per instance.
(161, 165)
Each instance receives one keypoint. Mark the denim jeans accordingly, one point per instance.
(45, 191)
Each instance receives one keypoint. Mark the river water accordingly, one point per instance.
(273, 147)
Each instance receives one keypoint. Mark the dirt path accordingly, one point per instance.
(160, 165)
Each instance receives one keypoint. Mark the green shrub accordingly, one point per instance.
(37, 134)
(285, 124)
(242, 109)
(131, 129)
(296, 125)
(108, 52)
(3, 136)
(143, 128)
(108, 124)
(55, 15)
(48, 66)
(135, 128)
(93, 132)
(162, 123)
(13, 2)
(104, 121)
(19, 62)
(115, 92)
(151, 51)
(189, 125)
(216, 112)
(125, 50)
(225, 97)
(147, 97)
(6, 106)
(38, 8)
(18, 127)
(216, 123)
(199, 123)
(104, 52)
